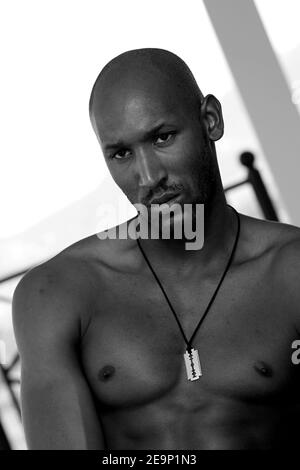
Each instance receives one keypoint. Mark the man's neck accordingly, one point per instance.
(220, 226)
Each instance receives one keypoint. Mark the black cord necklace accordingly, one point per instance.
(191, 356)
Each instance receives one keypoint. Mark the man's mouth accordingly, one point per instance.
(168, 198)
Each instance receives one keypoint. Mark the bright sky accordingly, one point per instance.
(52, 55)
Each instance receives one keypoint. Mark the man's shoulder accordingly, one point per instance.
(275, 238)
(286, 273)
(287, 253)
(45, 296)
(70, 275)
(54, 290)
(280, 251)
(283, 242)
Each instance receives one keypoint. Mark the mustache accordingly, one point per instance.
(176, 187)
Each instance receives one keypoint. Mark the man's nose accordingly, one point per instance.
(150, 170)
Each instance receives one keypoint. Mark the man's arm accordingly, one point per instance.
(57, 406)
(287, 272)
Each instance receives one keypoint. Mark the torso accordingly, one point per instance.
(132, 349)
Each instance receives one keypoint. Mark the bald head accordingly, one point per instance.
(148, 70)
(155, 128)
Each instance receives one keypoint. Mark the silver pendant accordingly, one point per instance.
(192, 364)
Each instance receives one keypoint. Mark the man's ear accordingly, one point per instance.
(212, 117)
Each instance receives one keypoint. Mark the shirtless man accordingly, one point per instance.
(101, 353)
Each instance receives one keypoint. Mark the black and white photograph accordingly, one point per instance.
(150, 235)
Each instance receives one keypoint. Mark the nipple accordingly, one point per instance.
(263, 369)
(106, 373)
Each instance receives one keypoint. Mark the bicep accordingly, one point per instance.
(58, 409)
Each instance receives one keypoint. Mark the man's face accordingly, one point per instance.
(154, 143)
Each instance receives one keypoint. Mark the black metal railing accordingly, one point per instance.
(254, 178)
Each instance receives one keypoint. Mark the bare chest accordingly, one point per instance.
(133, 350)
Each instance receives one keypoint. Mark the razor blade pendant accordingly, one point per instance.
(192, 364)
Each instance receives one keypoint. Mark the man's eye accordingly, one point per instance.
(165, 137)
(121, 154)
